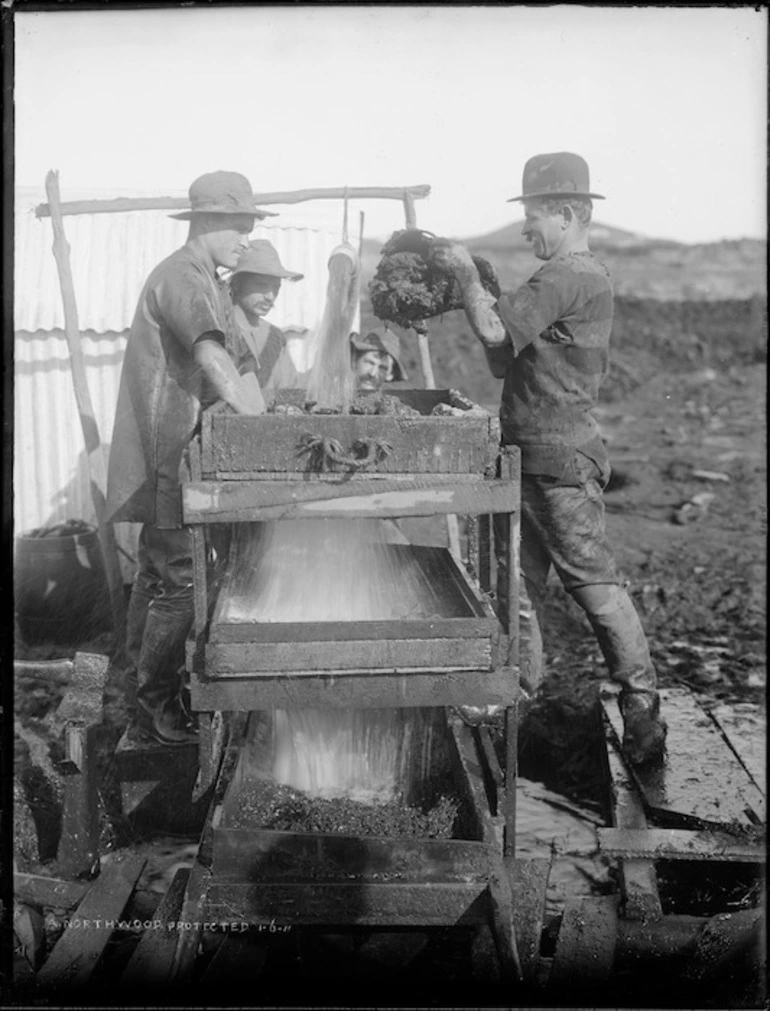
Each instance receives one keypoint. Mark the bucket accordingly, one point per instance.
(60, 587)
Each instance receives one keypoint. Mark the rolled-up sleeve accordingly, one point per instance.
(188, 305)
(536, 305)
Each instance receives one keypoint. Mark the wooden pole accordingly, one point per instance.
(97, 469)
(278, 197)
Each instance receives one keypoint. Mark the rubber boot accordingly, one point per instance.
(624, 645)
(159, 711)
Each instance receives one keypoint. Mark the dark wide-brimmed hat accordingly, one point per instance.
(221, 193)
(384, 342)
(562, 174)
(262, 258)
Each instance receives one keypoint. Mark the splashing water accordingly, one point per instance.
(328, 570)
(331, 383)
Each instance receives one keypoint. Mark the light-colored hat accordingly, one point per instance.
(262, 258)
(562, 174)
(383, 343)
(221, 193)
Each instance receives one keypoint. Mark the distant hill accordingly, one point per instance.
(640, 266)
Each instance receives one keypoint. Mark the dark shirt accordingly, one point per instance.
(559, 323)
(162, 390)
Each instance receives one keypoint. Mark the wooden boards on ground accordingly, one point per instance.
(701, 783)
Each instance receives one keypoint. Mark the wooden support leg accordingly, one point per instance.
(78, 854)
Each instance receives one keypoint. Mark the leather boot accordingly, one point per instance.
(623, 643)
(644, 730)
(159, 711)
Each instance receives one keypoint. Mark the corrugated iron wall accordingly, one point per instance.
(111, 256)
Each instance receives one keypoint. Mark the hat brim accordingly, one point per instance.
(551, 193)
(287, 275)
(258, 212)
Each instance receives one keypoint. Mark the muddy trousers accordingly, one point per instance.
(564, 527)
(160, 615)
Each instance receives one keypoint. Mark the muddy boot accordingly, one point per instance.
(167, 723)
(160, 713)
(644, 730)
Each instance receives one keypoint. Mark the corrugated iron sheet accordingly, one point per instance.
(111, 256)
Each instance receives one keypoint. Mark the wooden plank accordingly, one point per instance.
(678, 844)
(470, 780)
(529, 885)
(638, 879)
(80, 947)
(256, 854)
(274, 442)
(503, 919)
(585, 949)
(37, 890)
(342, 904)
(151, 961)
(744, 725)
(78, 851)
(235, 659)
(333, 631)
(329, 690)
(255, 501)
(701, 783)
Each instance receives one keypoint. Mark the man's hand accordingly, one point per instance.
(451, 256)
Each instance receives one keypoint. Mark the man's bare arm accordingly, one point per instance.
(479, 303)
(220, 370)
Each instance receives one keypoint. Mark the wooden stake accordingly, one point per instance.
(97, 469)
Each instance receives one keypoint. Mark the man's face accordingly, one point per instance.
(544, 231)
(370, 369)
(227, 237)
(257, 293)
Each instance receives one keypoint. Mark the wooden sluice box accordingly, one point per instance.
(458, 651)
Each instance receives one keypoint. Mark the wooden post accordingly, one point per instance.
(507, 468)
(97, 469)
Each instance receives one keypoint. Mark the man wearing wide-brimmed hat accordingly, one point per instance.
(375, 359)
(175, 363)
(261, 346)
(549, 341)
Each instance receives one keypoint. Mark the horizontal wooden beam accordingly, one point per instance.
(255, 854)
(234, 659)
(369, 691)
(122, 204)
(678, 844)
(255, 501)
(342, 904)
(335, 631)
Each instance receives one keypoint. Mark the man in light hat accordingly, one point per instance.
(175, 364)
(261, 346)
(549, 341)
(375, 359)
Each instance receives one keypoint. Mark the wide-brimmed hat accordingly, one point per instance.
(221, 193)
(384, 343)
(562, 174)
(262, 258)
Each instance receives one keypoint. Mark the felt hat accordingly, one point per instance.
(221, 193)
(383, 343)
(562, 174)
(262, 258)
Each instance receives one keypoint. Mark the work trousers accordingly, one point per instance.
(563, 525)
(160, 615)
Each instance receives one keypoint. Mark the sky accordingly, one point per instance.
(667, 105)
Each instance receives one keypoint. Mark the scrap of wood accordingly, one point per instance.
(151, 961)
(585, 948)
(638, 879)
(38, 890)
(677, 844)
(80, 947)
